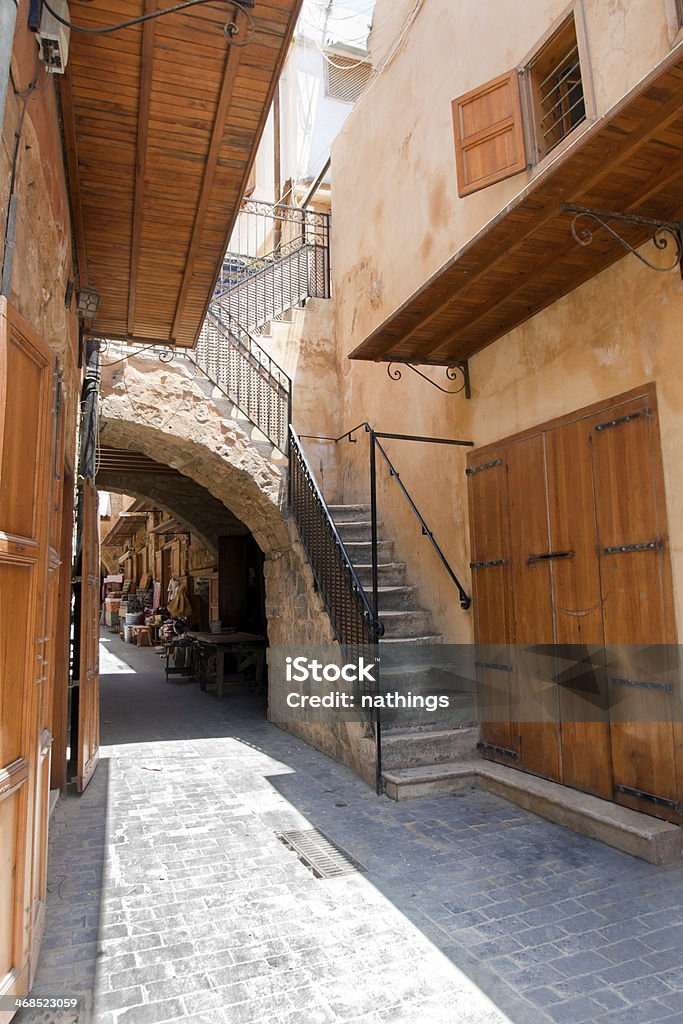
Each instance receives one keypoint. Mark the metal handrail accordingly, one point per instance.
(353, 620)
(277, 257)
(465, 599)
(233, 361)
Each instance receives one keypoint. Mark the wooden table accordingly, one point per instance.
(248, 649)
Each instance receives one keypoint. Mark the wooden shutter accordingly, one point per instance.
(489, 138)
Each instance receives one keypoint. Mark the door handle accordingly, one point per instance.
(548, 555)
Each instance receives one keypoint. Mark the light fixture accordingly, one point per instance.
(88, 303)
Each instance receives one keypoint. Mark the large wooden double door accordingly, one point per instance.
(35, 576)
(577, 661)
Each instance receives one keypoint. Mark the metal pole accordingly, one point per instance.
(375, 601)
(8, 17)
(373, 525)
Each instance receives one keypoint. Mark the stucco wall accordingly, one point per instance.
(614, 333)
(397, 218)
(397, 215)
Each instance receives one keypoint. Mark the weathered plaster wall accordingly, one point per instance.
(613, 333)
(397, 218)
(397, 215)
(305, 347)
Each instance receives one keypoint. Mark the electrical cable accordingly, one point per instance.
(231, 29)
(8, 242)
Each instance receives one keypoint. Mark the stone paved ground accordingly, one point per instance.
(171, 899)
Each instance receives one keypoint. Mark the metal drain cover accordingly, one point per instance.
(317, 851)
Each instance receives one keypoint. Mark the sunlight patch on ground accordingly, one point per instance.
(110, 665)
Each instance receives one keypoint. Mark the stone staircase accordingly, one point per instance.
(413, 741)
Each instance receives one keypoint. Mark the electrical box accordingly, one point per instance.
(54, 37)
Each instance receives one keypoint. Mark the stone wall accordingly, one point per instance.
(297, 619)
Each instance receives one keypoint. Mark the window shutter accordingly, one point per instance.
(489, 137)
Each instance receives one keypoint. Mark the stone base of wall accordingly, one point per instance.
(297, 618)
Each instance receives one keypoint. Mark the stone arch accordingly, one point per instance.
(164, 412)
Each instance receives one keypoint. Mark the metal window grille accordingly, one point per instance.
(558, 88)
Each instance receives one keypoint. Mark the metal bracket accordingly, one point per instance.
(471, 470)
(502, 751)
(452, 371)
(644, 684)
(623, 549)
(659, 801)
(610, 424)
(499, 666)
(663, 232)
(486, 565)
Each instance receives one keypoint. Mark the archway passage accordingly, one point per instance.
(216, 542)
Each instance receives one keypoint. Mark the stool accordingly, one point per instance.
(144, 636)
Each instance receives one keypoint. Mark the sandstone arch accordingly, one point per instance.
(170, 414)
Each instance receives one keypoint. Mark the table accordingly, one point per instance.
(248, 649)
(188, 667)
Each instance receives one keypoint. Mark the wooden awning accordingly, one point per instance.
(125, 527)
(630, 161)
(161, 124)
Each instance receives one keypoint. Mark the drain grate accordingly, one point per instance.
(320, 855)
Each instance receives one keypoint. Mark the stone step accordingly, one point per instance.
(361, 551)
(640, 835)
(390, 574)
(394, 598)
(357, 531)
(349, 513)
(406, 623)
(413, 748)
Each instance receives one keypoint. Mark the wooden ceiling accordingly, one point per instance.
(630, 161)
(161, 124)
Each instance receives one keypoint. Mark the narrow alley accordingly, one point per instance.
(171, 898)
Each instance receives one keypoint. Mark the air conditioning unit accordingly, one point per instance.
(53, 37)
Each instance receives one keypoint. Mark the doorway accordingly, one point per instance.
(571, 575)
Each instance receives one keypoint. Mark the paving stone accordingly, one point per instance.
(188, 908)
(571, 1011)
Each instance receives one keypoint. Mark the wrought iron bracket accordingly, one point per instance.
(664, 232)
(460, 368)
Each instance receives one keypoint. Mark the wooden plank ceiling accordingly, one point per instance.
(630, 161)
(161, 123)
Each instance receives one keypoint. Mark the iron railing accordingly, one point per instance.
(247, 375)
(375, 438)
(352, 618)
(277, 257)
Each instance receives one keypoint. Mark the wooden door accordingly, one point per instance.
(588, 605)
(88, 732)
(639, 625)
(26, 454)
(577, 607)
(492, 603)
(535, 710)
